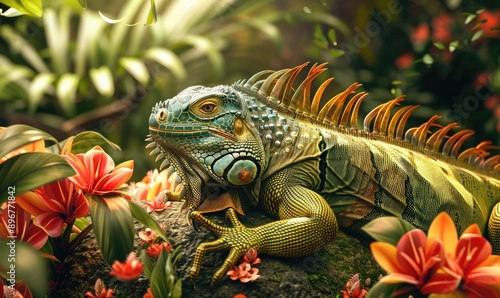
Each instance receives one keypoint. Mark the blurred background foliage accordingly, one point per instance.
(76, 69)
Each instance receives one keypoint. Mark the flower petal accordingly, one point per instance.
(411, 253)
(442, 227)
(441, 283)
(471, 250)
(113, 180)
(30, 202)
(35, 236)
(472, 229)
(396, 278)
(487, 275)
(51, 223)
(385, 255)
(98, 164)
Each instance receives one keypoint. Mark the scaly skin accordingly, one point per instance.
(262, 143)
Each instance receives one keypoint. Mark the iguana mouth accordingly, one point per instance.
(195, 131)
(192, 175)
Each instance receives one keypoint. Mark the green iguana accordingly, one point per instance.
(264, 142)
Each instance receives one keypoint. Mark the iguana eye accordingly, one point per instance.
(207, 107)
(161, 115)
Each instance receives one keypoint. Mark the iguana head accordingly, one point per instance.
(205, 135)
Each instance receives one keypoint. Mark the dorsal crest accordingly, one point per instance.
(340, 112)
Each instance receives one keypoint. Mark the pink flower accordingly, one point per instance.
(96, 172)
(24, 229)
(54, 205)
(251, 257)
(147, 235)
(155, 249)
(100, 291)
(129, 270)
(158, 204)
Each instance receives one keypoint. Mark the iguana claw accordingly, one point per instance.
(237, 240)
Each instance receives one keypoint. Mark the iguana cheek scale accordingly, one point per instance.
(269, 143)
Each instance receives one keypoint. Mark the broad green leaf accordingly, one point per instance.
(332, 36)
(31, 7)
(141, 215)
(41, 83)
(89, 40)
(169, 60)
(136, 68)
(66, 92)
(30, 170)
(439, 45)
(83, 142)
(113, 226)
(57, 33)
(148, 265)
(83, 3)
(26, 261)
(387, 229)
(382, 290)
(103, 80)
(18, 135)
(20, 45)
(320, 37)
(152, 14)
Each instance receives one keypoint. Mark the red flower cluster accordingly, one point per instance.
(245, 272)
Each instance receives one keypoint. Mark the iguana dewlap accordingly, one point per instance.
(267, 142)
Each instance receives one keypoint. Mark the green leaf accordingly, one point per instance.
(30, 170)
(477, 35)
(18, 135)
(169, 60)
(439, 45)
(102, 78)
(66, 92)
(320, 37)
(453, 45)
(470, 18)
(427, 59)
(332, 36)
(19, 44)
(148, 265)
(152, 14)
(382, 290)
(83, 3)
(136, 68)
(26, 261)
(335, 53)
(32, 7)
(38, 86)
(57, 33)
(206, 46)
(141, 215)
(113, 226)
(11, 12)
(387, 229)
(85, 141)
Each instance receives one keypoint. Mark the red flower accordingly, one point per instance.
(442, 26)
(353, 288)
(404, 61)
(489, 23)
(96, 171)
(244, 272)
(55, 205)
(148, 294)
(100, 291)
(251, 257)
(147, 235)
(128, 270)
(421, 33)
(24, 228)
(154, 250)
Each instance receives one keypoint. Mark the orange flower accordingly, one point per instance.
(100, 291)
(128, 270)
(96, 171)
(24, 229)
(54, 205)
(156, 183)
(353, 288)
(469, 257)
(154, 250)
(415, 261)
(147, 235)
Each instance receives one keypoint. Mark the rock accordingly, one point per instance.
(322, 274)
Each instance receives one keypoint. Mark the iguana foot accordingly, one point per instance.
(237, 240)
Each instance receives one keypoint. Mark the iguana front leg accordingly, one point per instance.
(306, 224)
